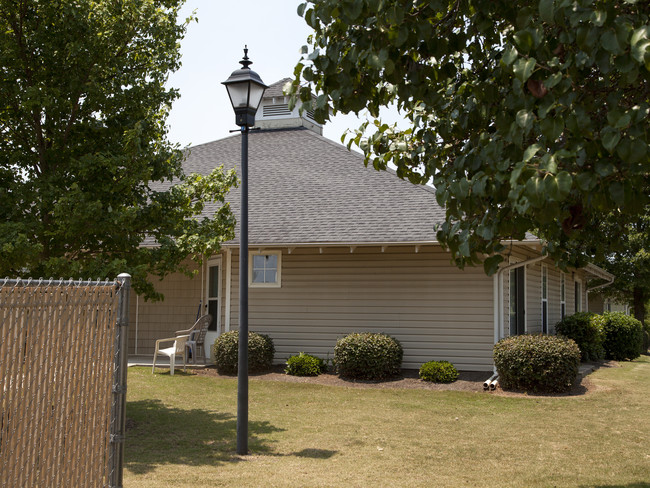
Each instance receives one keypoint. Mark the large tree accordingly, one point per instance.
(87, 174)
(629, 262)
(527, 116)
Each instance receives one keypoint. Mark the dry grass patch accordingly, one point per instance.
(183, 434)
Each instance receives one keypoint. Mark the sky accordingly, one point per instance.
(211, 51)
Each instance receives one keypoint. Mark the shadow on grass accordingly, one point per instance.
(314, 453)
(158, 434)
(641, 484)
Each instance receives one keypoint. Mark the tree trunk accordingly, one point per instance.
(639, 304)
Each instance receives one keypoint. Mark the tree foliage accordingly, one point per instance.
(86, 171)
(527, 116)
(629, 262)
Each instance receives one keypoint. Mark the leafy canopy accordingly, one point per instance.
(86, 169)
(629, 262)
(527, 116)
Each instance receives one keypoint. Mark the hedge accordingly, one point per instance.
(438, 372)
(368, 356)
(305, 365)
(537, 363)
(622, 335)
(586, 332)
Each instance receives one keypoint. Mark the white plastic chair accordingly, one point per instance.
(177, 349)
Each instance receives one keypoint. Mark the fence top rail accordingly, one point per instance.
(58, 283)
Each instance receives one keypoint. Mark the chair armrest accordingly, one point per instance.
(166, 339)
(181, 332)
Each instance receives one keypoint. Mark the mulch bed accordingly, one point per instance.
(470, 381)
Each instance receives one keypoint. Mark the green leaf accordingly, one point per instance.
(525, 119)
(509, 55)
(530, 152)
(610, 139)
(301, 9)
(464, 248)
(524, 41)
(640, 44)
(491, 264)
(564, 183)
(552, 128)
(610, 42)
(552, 80)
(558, 186)
(546, 10)
(586, 181)
(524, 68)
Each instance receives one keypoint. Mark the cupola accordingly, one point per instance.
(274, 112)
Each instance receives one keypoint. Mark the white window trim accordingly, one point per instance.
(278, 283)
(544, 274)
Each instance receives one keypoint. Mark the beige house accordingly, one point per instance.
(336, 247)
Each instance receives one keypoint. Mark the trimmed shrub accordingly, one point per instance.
(585, 332)
(623, 335)
(226, 352)
(305, 365)
(537, 363)
(439, 372)
(646, 339)
(368, 356)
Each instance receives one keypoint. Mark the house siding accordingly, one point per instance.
(421, 299)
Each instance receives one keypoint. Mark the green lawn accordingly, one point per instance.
(182, 433)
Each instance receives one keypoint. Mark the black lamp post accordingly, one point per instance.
(245, 89)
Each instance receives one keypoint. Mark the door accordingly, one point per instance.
(213, 302)
(517, 301)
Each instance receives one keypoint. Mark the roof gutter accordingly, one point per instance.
(276, 245)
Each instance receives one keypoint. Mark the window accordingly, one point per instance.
(544, 299)
(517, 301)
(265, 269)
(562, 295)
(578, 296)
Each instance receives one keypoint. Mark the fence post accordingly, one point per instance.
(118, 422)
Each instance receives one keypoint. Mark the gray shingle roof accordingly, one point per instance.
(275, 90)
(304, 188)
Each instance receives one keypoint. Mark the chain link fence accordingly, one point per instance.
(63, 382)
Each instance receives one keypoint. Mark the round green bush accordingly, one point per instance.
(623, 335)
(439, 372)
(226, 352)
(368, 356)
(585, 332)
(305, 365)
(537, 363)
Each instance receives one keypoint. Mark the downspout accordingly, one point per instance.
(603, 285)
(497, 281)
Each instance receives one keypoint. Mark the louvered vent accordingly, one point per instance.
(276, 110)
(310, 114)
